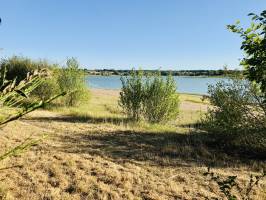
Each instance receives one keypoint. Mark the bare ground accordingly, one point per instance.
(96, 159)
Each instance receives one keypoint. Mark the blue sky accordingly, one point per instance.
(152, 34)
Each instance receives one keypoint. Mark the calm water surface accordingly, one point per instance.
(193, 85)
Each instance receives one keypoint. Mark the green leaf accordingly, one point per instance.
(248, 30)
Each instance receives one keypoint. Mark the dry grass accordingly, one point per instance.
(94, 152)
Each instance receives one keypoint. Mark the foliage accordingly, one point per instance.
(18, 67)
(47, 88)
(72, 80)
(132, 94)
(12, 92)
(150, 97)
(228, 185)
(237, 106)
(254, 45)
(161, 101)
(12, 95)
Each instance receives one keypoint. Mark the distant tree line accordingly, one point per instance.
(221, 72)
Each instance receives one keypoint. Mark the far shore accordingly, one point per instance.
(182, 76)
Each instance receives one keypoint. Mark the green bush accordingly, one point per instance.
(72, 80)
(149, 97)
(18, 67)
(132, 94)
(237, 106)
(161, 101)
(47, 88)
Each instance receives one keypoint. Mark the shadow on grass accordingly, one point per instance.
(163, 149)
(245, 144)
(195, 125)
(84, 119)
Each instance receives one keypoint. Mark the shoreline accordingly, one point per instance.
(118, 91)
(188, 102)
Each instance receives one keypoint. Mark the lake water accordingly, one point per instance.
(193, 85)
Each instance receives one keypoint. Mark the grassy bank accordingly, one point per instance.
(103, 107)
(94, 152)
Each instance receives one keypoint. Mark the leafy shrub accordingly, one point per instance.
(72, 80)
(161, 101)
(12, 96)
(237, 106)
(47, 88)
(18, 67)
(151, 97)
(240, 106)
(132, 94)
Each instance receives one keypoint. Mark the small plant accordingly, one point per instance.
(149, 97)
(132, 95)
(47, 88)
(72, 80)
(229, 185)
(161, 101)
(237, 106)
